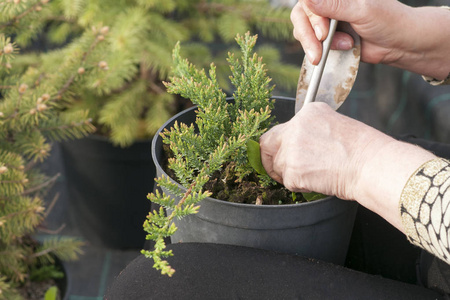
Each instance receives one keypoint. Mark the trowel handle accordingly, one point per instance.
(318, 70)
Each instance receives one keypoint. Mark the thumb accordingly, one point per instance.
(342, 10)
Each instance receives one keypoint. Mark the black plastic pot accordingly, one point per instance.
(107, 190)
(63, 284)
(319, 229)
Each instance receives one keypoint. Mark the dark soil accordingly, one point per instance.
(40, 277)
(36, 290)
(249, 191)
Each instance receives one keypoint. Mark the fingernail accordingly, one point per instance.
(310, 55)
(318, 32)
(344, 45)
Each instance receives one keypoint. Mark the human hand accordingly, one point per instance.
(374, 21)
(320, 150)
(392, 33)
(323, 151)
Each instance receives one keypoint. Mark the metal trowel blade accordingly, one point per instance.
(338, 76)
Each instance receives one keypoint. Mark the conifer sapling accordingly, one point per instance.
(218, 141)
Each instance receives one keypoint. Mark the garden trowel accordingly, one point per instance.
(332, 79)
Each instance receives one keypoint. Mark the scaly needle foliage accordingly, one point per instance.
(223, 129)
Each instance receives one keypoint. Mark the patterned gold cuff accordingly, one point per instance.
(423, 207)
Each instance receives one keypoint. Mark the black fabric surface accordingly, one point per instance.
(434, 273)
(211, 271)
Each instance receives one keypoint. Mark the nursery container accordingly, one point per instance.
(107, 190)
(320, 229)
(63, 284)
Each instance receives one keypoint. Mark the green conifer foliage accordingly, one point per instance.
(122, 88)
(223, 131)
(34, 89)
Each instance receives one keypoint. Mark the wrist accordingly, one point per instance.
(425, 45)
(385, 174)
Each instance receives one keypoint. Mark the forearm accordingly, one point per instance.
(426, 46)
(385, 175)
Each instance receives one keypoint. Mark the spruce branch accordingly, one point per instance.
(52, 231)
(65, 87)
(41, 186)
(7, 291)
(11, 264)
(28, 211)
(16, 19)
(32, 87)
(51, 205)
(141, 33)
(69, 131)
(60, 246)
(83, 60)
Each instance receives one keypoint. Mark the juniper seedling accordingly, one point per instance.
(223, 130)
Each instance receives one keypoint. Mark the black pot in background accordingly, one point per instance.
(63, 284)
(107, 190)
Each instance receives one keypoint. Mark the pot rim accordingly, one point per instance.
(223, 202)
